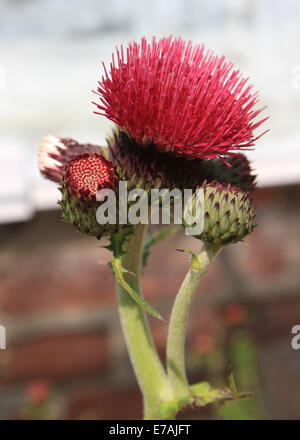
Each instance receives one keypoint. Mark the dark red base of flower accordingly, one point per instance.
(156, 169)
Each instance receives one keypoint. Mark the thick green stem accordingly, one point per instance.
(177, 326)
(148, 369)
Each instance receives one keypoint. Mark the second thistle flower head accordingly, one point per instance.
(228, 213)
(184, 100)
(85, 176)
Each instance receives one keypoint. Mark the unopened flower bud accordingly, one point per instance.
(85, 176)
(228, 214)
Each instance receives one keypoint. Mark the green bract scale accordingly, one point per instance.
(82, 215)
(229, 214)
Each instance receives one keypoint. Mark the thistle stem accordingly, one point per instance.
(147, 366)
(179, 315)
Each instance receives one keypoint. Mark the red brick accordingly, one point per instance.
(159, 331)
(204, 318)
(70, 275)
(274, 320)
(50, 282)
(106, 404)
(268, 195)
(167, 268)
(55, 358)
(264, 258)
(269, 264)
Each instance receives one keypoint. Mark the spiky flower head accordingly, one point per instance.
(85, 176)
(148, 168)
(179, 97)
(228, 211)
(55, 153)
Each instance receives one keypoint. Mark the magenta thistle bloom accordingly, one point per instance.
(180, 97)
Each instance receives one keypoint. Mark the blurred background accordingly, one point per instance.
(65, 355)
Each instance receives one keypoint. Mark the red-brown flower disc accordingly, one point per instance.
(184, 99)
(87, 174)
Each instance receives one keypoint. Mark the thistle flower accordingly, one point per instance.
(55, 153)
(147, 167)
(229, 214)
(85, 176)
(180, 98)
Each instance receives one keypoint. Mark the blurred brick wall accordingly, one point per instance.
(65, 352)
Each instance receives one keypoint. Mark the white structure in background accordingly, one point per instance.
(2, 78)
(2, 338)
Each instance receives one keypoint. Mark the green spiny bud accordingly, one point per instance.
(228, 213)
(85, 176)
(82, 215)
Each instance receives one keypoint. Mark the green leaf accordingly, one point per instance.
(203, 394)
(150, 240)
(232, 385)
(119, 241)
(169, 410)
(118, 245)
(195, 263)
(119, 270)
